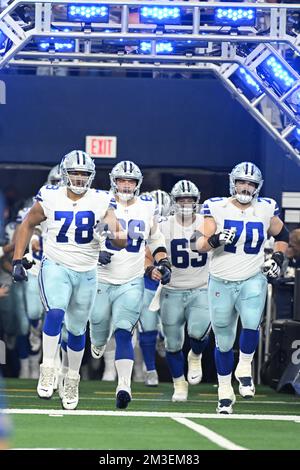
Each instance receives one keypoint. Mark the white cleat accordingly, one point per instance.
(226, 400)
(244, 377)
(97, 351)
(151, 379)
(46, 381)
(181, 389)
(194, 375)
(70, 393)
(60, 384)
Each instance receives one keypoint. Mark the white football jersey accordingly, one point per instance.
(189, 268)
(128, 263)
(71, 239)
(245, 256)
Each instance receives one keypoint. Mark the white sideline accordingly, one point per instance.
(210, 435)
(148, 414)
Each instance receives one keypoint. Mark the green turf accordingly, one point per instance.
(260, 435)
(105, 432)
(113, 432)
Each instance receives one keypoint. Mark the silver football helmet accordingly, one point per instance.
(163, 202)
(126, 170)
(245, 171)
(185, 188)
(74, 162)
(55, 176)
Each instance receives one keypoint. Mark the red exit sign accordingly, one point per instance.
(101, 146)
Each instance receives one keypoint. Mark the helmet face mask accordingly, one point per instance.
(78, 171)
(163, 202)
(125, 170)
(126, 188)
(186, 206)
(241, 173)
(185, 198)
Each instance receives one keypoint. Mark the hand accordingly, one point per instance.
(271, 268)
(225, 237)
(153, 273)
(28, 261)
(104, 231)
(19, 272)
(105, 257)
(164, 267)
(194, 238)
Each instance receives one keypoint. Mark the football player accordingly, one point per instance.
(149, 322)
(184, 300)
(120, 282)
(67, 277)
(235, 230)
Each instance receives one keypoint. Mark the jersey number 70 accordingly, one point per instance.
(254, 233)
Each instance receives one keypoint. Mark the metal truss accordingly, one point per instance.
(200, 45)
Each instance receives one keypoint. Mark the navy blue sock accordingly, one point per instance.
(147, 343)
(198, 345)
(249, 340)
(124, 349)
(23, 346)
(224, 361)
(53, 322)
(176, 363)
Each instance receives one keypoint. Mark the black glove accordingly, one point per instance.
(225, 237)
(105, 257)
(19, 272)
(28, 261)
(271, 268)
(164, 267)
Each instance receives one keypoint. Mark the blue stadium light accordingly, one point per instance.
(235, 16)
(160, 47)
(160, 15)
(59, 45)
(248, 84)
(88, 13)
(275, 73)
(3, 42)
(2, 38)
(294, 138)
